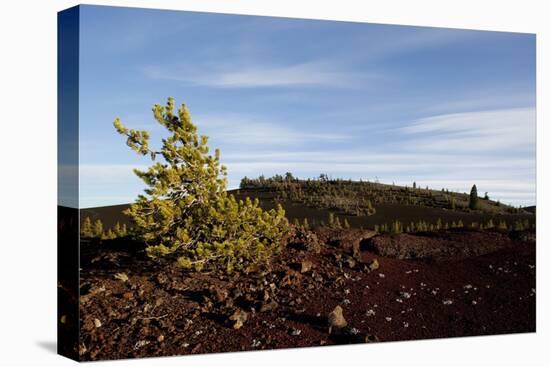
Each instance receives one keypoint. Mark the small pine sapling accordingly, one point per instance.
(86, 229)
(97, 229)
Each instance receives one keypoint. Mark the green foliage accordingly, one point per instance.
(109, 235)
(521, 225)
(335, 195)
(97, 230)
(346, 223)
(186, 213)
(474, 200)
(396, 227)
(359, 198)
(120, 230)
(452, 203)
(334, 221)
(337, 223)
(86, 229)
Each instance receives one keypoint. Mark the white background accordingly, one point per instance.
(28, 182)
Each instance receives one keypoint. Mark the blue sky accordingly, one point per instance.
(442, 107)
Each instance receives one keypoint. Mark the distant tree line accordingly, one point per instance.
(396, 226)
(95, 229)
(360, 198)
(338, 195)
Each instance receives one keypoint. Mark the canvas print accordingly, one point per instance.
(235, 183)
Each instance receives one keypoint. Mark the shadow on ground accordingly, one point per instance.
(48, 345)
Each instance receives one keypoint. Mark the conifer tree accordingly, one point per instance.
(337, 224)
(474, 200)
(98, 228)
(331, 220)
(86, 228)
(346, 223)
(186, 213)
(396, 227)
(118, 230)
(452, 203)
(109, 235)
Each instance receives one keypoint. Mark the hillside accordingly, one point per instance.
(361, 204)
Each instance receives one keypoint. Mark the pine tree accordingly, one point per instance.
(346, 223)
(474, 201)
(518, 226)
(186, 212)
(118, 230)
(452, 203)
(98, 228)
(109, 235)
(396, 227)
(86, 228)
(331, 220)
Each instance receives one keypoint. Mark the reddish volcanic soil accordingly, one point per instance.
(444, 284)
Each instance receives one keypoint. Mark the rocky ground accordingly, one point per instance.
(327, 287)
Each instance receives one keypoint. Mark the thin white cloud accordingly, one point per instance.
(495, 130)
(308, 74)
(250, 130)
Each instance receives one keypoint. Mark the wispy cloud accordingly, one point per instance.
(496, 130)
(308, 74)
(402, 40)
(250, 130)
